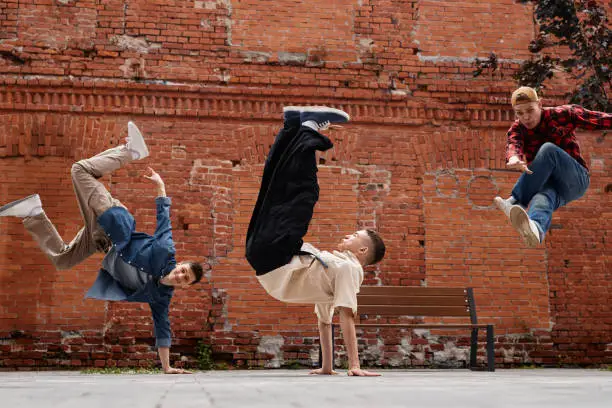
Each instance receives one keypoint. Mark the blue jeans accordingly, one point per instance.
(557, 179)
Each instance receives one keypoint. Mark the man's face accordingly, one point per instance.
(529, 113)
(356, 242)
(181, 276)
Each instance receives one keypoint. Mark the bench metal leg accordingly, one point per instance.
(473, 349)
(490, 348)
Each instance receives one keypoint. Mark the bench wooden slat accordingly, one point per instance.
(423, 325)
(414, 310)
(411, 300)
(410, 291)
(418, 301)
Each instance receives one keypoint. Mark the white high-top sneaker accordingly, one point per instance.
(525, 226)
(25, 207)
(504, 205)
(135, 142)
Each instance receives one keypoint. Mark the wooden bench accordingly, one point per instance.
(423, 301)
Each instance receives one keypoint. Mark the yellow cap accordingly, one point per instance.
(524, 94)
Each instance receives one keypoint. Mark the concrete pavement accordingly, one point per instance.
(295, 388)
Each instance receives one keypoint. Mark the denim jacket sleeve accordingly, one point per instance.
(161, 322)
(164, 227)
(163, 231)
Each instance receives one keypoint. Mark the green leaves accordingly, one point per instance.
(482, 64)
(582, 26)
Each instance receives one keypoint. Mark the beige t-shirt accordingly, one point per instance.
(306, 280)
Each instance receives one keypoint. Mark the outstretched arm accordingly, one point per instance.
(164, 227)
(590, 120)
(325, 338)
(156, 178)
(163, 337)
(514, 149)
(347, 323)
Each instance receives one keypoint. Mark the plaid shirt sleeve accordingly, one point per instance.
(514, 146)
(590, 120)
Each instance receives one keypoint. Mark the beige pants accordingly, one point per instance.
(93, 199)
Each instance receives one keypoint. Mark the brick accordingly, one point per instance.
(421, 163)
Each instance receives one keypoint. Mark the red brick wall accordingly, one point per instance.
(206, 82)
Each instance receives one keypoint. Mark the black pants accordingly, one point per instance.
(289, 191)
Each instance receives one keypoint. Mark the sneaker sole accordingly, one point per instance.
(134, 131)
(317, 109)
(14, 203)
(520, 221)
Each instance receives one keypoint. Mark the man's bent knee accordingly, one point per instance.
(542, 200)
(77, 170)
(264, 257)
(548, 148)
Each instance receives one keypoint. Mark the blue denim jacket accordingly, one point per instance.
(153, 255)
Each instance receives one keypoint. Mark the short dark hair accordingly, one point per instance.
(378, 247)
(198, 271)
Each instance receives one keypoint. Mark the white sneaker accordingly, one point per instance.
(525, 226)
(25, 207)
(135, 142)
(317, 127)
(315, 109)
(503, 205)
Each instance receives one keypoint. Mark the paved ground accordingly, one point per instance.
(294, 388)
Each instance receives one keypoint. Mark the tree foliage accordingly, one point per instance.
(582, 26)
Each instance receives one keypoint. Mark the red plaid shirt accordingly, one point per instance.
(556, 126)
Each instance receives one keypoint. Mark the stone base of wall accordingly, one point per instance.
(419, 349)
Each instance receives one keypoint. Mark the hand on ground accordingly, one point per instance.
(177, 371)
(358, 372)
(320, 371)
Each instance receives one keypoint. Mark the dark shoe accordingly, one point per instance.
(291, 115)
(321, 117)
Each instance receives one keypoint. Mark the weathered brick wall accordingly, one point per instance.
(206, 82)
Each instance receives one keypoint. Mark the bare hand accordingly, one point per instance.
(154, 177)
(358, 372)
(517, 164)
(171, 370)
(320, 371)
